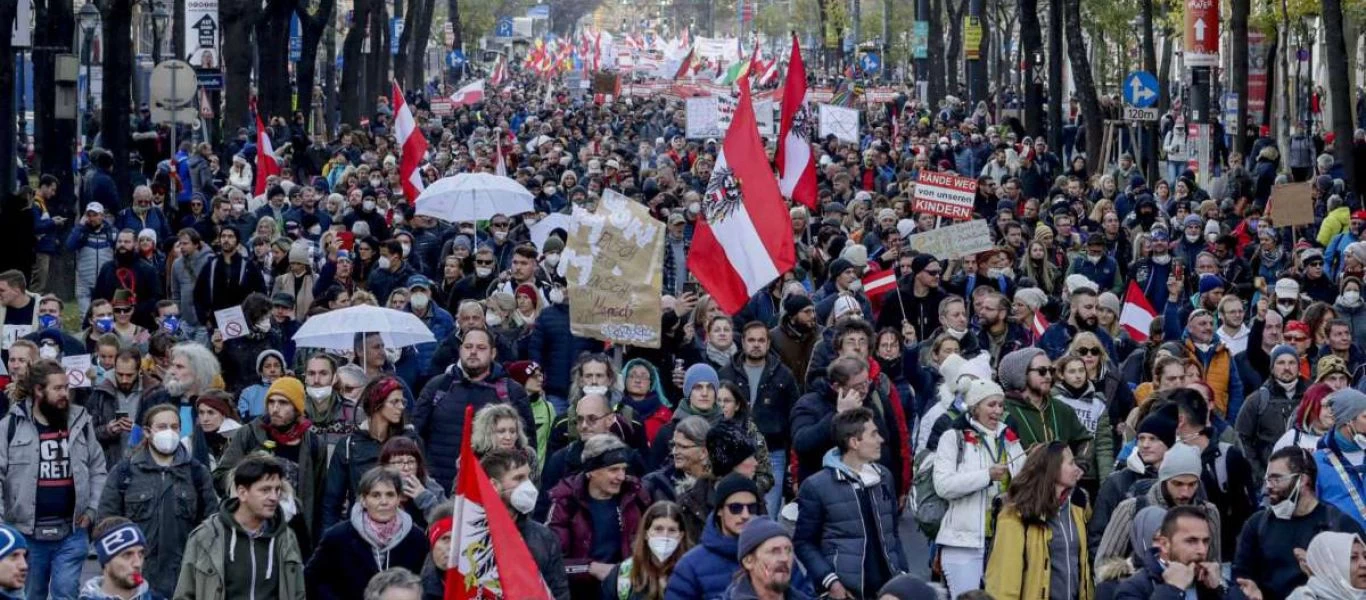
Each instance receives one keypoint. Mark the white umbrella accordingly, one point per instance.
(336, 330)
(473, 197)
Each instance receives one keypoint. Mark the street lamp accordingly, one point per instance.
(159, 18)
(89, 20)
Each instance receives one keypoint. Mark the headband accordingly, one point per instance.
(115, 542)
(439, 528)
(616, 456)
(379, 392)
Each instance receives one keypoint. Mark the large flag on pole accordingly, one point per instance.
(266, 165)
(1138, 314)
(796, 162)
(489, 559)
(470, 94)
(744, 239)
(412, 143)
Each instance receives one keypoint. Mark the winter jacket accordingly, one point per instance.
(831, 538)
(1020, 562)
(1116, 488)
(794, 349)
(1356, 317)
(166, 502)
(1058, 337)
(1147, 584)
(962, 477)
(1057, 422)
(1337, 221)
(707, 569)
(551, 347)
(351, 459)
(1332, 485)
(19, 465)
(347, 557)
(219, 543)
(812, 435)
(439, 414)
(442, 325)
(383, 282)
(153, 219)
(104, 404)
(1119, 528)
(572, 523)
(1264, 418)
(312, 468)
(777, 393)
(546, 553)
(221, 285)
(1090, 408)
(743, 589)
(93, 248)
(184, 274)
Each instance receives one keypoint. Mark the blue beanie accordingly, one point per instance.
(699, 373)
(1285, 349)
(11, 540)
(1209, 282)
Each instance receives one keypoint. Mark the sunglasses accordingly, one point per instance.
(1042, 371)
(123, 310)
(1088, 351)
(483, 262)
(1295, 338)
(933, 273)
(735, 508)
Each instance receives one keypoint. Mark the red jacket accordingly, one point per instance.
(571, 522)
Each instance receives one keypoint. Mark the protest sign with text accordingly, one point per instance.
(613, 263)
(944, 195)
(954, 241)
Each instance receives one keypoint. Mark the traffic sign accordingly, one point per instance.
(1202, 33)
(870, 63)
(455, 58)
(174, 85)
(1132, 113)
(504, 28)
(1141, 89)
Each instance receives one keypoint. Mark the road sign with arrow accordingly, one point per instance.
(1140, 89)
(1202, 33)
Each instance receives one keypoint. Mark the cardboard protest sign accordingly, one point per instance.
(613, 263)
(1291, 205)
(231, 322)
(704, 118)
(954, 241)
(77, 371)
(944, 195)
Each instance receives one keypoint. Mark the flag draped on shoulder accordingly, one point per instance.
(412, 143)
(1138, 314)
(743, 239)
(1038, 325)
(266, 164)
(489, 559)
(796, 162)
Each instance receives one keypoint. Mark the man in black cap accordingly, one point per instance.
(284, 324)
(766, 558)
(916, 301)
(797, 333)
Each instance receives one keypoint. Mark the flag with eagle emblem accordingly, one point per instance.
(796, 162)
(743, 238)
(489, 559)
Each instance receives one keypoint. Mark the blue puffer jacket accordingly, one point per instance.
(154, 219)
(547, 347)
(442, 324)
(92, 248)
(830, 535)
(706, 570)
(1332, 486)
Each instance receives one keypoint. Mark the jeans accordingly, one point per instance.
(774, 497)
(60, 562)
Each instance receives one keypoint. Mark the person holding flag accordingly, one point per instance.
(510, 472)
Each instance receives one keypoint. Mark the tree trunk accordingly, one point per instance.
(272, 60)
(115, 129)
(239, 17)
(417, 61)
(936, 53)
(55, 27)
(8, 126)
(311, 29)
(353, 64)
(1339, 85)
(400, 58)
(1031, 36)
(177, 31)
(1057, 88)
(377, 73)
(954, 61)
(1238, 24)
(978, 68)
(453, 16)
(1150, 65)
(331, 94)
(1086, 86)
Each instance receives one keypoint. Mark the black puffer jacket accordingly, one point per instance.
(778, 392)
(353, 456)
(440, 414)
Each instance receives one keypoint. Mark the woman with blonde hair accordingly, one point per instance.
(1036, 265)
(398, 299)
(1104, 374)
(499, 426)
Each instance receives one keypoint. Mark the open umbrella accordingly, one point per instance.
(336, 330)
(474, 197)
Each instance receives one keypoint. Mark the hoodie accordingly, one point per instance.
(230, 564)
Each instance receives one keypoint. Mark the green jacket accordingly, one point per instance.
(202, 570)
(1057, 422)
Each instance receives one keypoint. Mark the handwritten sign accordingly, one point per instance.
(704, 118)
(1291, 205)
(954, 241)
(77, 371)
(231, 322)
(15, 332)
(613, 263)
(840, 122)
(944, 195)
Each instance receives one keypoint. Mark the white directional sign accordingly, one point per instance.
(1140, 114)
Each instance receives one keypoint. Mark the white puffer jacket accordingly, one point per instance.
(965, 482)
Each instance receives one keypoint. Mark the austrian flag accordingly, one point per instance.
(1138, 314)
(413, 146)
(877, 283)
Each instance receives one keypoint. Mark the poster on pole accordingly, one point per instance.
(21, 35)
(613, 264)
(944, 195)
(840, 122)
(201, 33)
(954, 241)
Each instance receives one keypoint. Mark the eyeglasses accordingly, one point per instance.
(1276, 479)
(483, 262)
(1092, 351)
(735, 508)
(678, 446)
(124, 310)
(1042, 371)
(403, 462)
(588, 420)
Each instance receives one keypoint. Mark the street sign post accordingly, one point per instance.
(504, 28)
(1202, 33)
(871, 63)
(1141, 89)
(1133, 113)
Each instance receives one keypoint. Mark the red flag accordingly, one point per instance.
(412, 146)
(796, 162)
(489, 559)
(266, 165)
(684, 65)
(876, 283)
(744, 239)
(1138, 314)
(1038, 325)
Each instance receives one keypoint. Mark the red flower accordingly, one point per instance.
(969, 437)
(1010, 435)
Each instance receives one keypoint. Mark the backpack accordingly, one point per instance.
(929, 507)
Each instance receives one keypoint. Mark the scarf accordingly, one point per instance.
(1330, 559)
(381, 532)
(719, 356)
(288, 436)
(1271, 257)
(644, 407)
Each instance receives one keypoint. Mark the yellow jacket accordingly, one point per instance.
(1018, 568)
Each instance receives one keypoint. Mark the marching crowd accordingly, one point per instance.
(780, 452)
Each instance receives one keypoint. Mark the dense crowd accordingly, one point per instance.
(995, 415)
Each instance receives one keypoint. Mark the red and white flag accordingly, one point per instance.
(500, 72)
(1138, 314)
(412, 144)
(489, 559)
(796, 162)
(744, 239)
(1038, 324)
(500, 166)
(876, 283)
(266, 165)
(470, 94)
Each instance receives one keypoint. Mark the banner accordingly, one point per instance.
(944, 195)
(1291, 205)
(613, 262)
(954, 241)
(201, 34)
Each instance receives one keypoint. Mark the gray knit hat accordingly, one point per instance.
(1347, 403)
(1285, 349)
(757, 531)
(1181, 459)
(1013, 367)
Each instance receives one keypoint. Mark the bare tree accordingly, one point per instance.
(1339, 86)
(1086, 86)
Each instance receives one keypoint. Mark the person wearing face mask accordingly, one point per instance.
(392, 270)
(1275, 538)
(378, 535)
(1264, 418)
(358, 452)
(1340, 455)
(510, 470)
(162, 489)
(238, 356)
(476, 282)
(440, 322)
(843, 281)
(659, 543)
(367, 211)
(299, 280)
(1152, 272)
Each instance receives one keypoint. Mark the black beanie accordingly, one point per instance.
(1161, 425)
(919, 263)
(795, 303)
(727, 447)
(907, 587)
(730, 485)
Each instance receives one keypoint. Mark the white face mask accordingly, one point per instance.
(493, 319)
(694, 207)
(552, 260)
(556, 296)
(595, 390)
(407, 248)
(1286, 508)
(48, 352)
(956, 333)
(315, 230)
(392, 355)
(419, 300)
(662, 546)
(855, 285)
(1351, 298)
(1285, 309)
(523, 497)
(165, 441)
(500, 235)
(263, 326)
(1162, 259)
(483, 271)
(239, 207)
(383, 262)
(318, 393)
(367, 205)
(1192, 237)
(530, 221)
